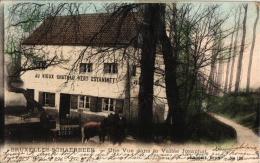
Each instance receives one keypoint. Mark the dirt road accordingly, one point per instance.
(244, 134)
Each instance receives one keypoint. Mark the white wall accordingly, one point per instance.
(89, 87)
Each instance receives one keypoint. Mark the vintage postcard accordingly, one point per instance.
(135, 81)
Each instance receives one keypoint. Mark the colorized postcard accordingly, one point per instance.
(112, 81)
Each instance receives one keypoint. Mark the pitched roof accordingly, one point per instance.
(97, 29)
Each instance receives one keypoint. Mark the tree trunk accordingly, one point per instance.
(252, 50)
(213, 69)
(128, 89)
(220, 76)
(229, 59)
(234, 53)
(240, 59)
(2, 74)
(175, 113)
(146, 81)
(212, 75)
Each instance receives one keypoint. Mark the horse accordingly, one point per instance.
(91, 129)
(112, 126)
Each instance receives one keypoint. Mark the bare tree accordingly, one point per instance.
(213, 76)
(220, 65)
(149, 37)
(241, 52)
(25, 17)
(234, 51)
(229, 57)
(189, 42)
(252, 50)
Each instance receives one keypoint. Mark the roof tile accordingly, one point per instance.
(97, 29)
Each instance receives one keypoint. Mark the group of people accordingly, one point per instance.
(113, 127)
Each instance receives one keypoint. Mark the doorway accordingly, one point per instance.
(64, 109)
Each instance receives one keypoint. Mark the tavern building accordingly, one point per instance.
(94, 67)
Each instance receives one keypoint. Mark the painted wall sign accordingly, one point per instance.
(76, 77)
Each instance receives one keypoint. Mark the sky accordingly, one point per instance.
(255, 74)
(228, 8)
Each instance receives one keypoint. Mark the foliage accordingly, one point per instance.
(241, 107)
(198, 43)
(203, 127)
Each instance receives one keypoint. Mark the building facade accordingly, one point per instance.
(74, 76)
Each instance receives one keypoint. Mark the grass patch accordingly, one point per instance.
(198, 128)
(205, 128)
(240, 108)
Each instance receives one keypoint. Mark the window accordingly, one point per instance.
(87, 102)
(48, 99)
(110, 68)
(108, 104)
(39, 64)
(85, 67)
(30, 93)
(82, 102)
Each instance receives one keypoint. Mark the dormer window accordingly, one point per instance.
(85, 67)
(110, 68)
(39, 64)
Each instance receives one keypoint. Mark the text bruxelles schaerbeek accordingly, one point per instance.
(77, 77)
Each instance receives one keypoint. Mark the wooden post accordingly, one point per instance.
(2, 73)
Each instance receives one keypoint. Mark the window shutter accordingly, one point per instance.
(99, 105)
(52, 99)
(93, 104)
(74, 102)
(119, 105)
(41, 94)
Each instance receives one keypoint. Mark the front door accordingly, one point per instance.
(30, 93)
(64, 106)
